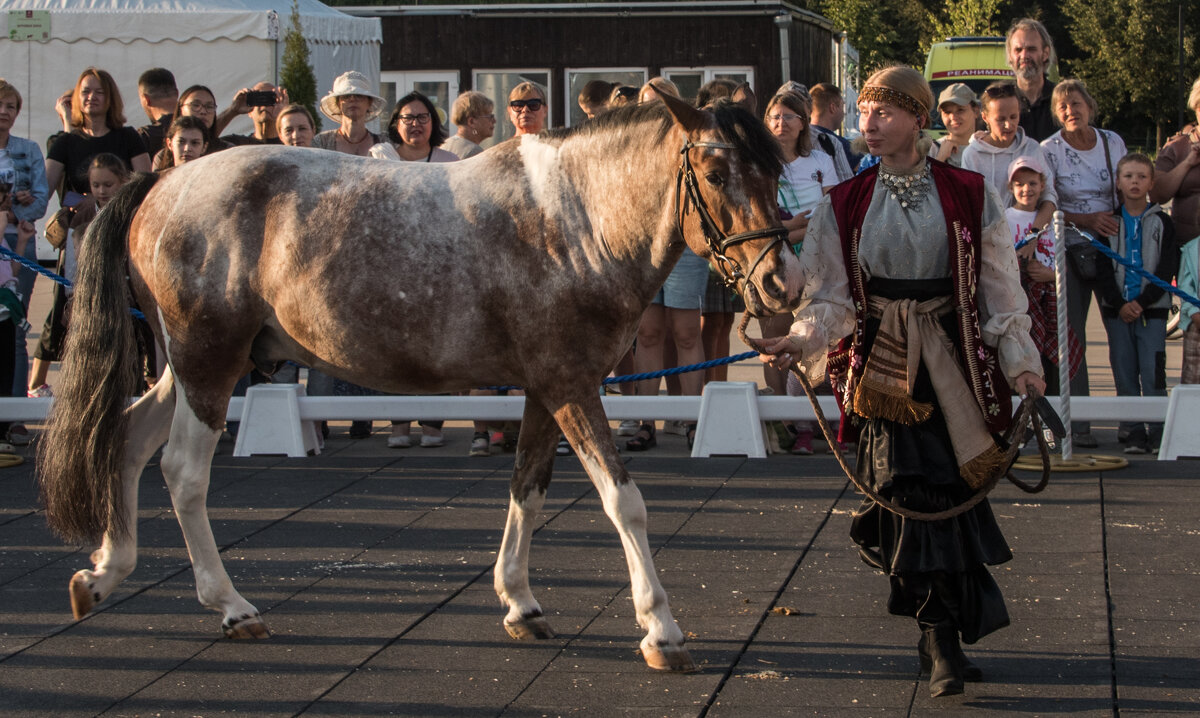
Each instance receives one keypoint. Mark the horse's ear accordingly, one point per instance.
(686, 116)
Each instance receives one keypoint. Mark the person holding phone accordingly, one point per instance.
(262, 103)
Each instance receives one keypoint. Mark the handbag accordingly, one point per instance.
(1086, 260)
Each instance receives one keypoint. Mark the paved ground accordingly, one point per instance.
(373, 570)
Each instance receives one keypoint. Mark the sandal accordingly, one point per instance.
(643, 439)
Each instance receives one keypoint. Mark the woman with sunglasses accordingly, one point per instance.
(915, 244)
(527, 108)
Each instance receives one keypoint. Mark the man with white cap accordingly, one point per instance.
(959, 109)
(352, 103)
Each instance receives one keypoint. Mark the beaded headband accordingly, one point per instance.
(876, 93)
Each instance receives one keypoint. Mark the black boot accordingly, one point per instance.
(945, 676)
(971, 673)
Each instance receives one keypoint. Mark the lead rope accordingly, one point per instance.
(1025, 415)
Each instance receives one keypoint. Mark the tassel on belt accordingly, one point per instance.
(910, 333)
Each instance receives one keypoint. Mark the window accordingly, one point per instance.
(496, 84)
(440, 86)
(576, 79)
(689, 79)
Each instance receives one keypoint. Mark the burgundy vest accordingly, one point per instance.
(962, 196)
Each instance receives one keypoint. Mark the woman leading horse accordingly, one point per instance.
(543, 252)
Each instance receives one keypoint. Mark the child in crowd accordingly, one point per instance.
(1026, 181)
(1134, 310)
(1189, 281)
(106, 173)
(994, 150)
(186, 139)
(12, 312)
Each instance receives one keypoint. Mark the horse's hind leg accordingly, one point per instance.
(531, 475)
(149, 425)
(586, 427)
(186, 464)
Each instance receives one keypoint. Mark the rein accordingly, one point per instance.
(1025, 415)
(718, 242)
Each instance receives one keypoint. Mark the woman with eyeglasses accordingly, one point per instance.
(912, 281)
(808, 176)
(96, 116)
(474, 114)
(416, 132)
(196, 101)
(527, 109)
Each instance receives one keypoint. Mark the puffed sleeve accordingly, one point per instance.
(826, 312)
(1003, 307)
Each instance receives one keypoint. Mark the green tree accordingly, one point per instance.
(1129, 61)
(964, 18)
(884, 33)
(297, 73)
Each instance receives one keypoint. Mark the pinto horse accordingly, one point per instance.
(529, 265)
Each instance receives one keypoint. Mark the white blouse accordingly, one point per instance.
(911, 243)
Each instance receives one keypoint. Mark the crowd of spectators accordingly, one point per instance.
(1035, 142)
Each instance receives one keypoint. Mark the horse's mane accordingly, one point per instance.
(754, 143)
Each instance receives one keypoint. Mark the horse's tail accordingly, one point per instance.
(82, 449)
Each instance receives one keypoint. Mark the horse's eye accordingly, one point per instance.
(714, 179)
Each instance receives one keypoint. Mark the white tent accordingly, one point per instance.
(223, 44)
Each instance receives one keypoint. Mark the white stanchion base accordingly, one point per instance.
(729, 422)
(1180, 437)
(271, 423)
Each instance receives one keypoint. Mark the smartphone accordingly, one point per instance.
(260, 98)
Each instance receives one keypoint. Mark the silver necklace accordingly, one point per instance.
(907, 189)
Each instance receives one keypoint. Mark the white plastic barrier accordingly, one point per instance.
(1179, 436)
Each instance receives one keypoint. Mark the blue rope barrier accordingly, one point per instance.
(58, 278)
(656, 374)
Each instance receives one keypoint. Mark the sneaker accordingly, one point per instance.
(671, 426)
(480, 446)
(401, 441)
(496, 439)
(563, 448)
(18, 435)
(360, 429)
(1085, 440)
(1137, 447)
(802, 446)
(42, 392)
(628, 427)
(7, 448)
(432, 441)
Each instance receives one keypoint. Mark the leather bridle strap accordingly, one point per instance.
(718, 242)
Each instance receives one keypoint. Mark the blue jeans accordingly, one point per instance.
(25, 279)
(1137, 352)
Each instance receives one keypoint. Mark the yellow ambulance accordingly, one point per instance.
(975, 61)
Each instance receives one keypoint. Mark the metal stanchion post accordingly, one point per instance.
(1064, 350)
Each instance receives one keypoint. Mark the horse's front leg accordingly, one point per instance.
(531, 475)
(149, 425)
(586, 427)
(186, 464)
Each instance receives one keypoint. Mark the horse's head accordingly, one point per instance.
(726, 208)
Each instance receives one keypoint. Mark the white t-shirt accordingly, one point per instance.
(1083, 180)
(803, 181)
(1020, 222)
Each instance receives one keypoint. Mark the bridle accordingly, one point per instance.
(718, 241)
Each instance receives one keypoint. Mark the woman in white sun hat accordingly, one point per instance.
(352, 103)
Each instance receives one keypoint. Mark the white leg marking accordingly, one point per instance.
(512, 565)
(186, 465)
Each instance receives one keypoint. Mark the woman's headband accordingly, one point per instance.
(877, 93)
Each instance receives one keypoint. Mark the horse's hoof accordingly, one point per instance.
(668, 658)
(248, 627)
(529, 628)
(83, 595)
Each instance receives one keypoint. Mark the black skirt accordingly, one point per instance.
(915, 467)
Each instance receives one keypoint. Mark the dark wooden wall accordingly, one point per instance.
(465, 43)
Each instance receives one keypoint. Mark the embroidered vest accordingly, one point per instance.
(962, 197)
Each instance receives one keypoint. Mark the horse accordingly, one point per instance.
(528, 265)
